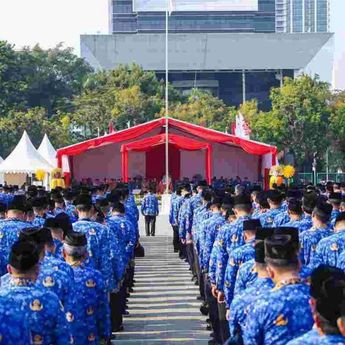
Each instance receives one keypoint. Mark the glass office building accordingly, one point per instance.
(124, 19)
(302, 16)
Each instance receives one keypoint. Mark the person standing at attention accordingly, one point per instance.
(149, 209)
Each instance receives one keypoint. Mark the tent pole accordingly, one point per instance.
(167, 98)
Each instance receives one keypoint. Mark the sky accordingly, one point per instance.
(49, 22)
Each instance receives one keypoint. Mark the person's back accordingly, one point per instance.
(90, 315)
(283, 313)
(328, 307)
(47, 320)
(14, 323)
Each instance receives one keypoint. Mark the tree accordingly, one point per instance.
(202, 108)
(53, 77)
(298, 120)
(11, 84)
(337, 129)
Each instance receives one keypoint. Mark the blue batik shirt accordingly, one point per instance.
(38, 221)
(98, 247)
(175, 208)
(309, 240)
(280, 315)
(47, 320)
(341, 261)
(90, 316)
(236, 258)
(210, 229)
(334, 216)
(328, 250)
(242, 303)
(267, 218)
(200, 215)
(14, 323)
(212, 269)
(293, 224)
(314, 338)
(71, 210)
(149, 205)
(281, 219)
(305, 224)
(184, 219)
(9, 233)
(233, 238)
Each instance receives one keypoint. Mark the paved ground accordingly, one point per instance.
(163, 309)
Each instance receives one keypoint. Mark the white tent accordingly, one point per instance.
(47, 151)
(24, 159)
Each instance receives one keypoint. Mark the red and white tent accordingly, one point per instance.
(193, 149)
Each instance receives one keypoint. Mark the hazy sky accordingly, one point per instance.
(48, 22)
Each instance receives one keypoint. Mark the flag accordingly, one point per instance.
(171, 7)
(241, 127)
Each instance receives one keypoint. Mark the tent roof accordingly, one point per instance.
(47, 151)
(24, 158)
(135, 132)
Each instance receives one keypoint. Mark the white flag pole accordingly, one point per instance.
(167, 96)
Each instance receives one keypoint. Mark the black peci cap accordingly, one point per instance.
(251, 225)
(295, 206)
(275, 196)
(39, 202)
(51, 223)
(64, 222)
(328, 289)
(83, 200)
(260, 252)
(288, 230)
(323, 210)
(263, 233)
(18, 203)
(76, 239)
(3, 207)
(242, 200)
(24, 255)
(340, 217)
(40, 236)
(280, 250)
(335, 197)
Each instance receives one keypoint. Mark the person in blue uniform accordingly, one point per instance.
(295, 213)
(330, 248)
(328, 307)
(39, 206)
(262, 205)
(309, 202)
(309, 239)
(150, 210)
(70, 209)
(176, 201)
(335, 200)
(47, 320)
(90, 319)
(243, 302)
(275, 199)
(283, 313)
(233, 238)
(239, 256)
(184, 220)
(10, 229)
(97, 239)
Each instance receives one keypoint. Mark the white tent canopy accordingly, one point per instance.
(24, 159)
(47, 151)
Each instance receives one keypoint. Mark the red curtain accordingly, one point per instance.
(179, 142)
(155, 165)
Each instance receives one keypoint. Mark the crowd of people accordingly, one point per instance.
(269, 264)
(67, 264)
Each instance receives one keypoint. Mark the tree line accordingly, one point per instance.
(55, 92)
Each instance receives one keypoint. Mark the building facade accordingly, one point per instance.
(302, 16)
(127, 16)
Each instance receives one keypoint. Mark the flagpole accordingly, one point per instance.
(167, 98)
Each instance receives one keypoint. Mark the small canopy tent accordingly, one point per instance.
(47, 151)
(23, 160)
(192, 150)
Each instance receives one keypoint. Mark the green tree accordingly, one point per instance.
(202, 108)
(11, 84)
(298, 120)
